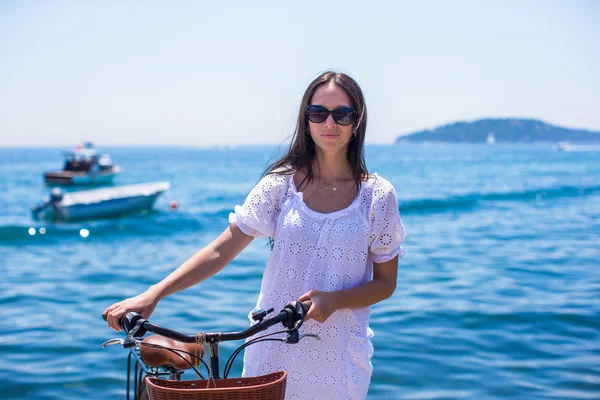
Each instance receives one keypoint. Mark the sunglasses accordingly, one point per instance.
(341, 115)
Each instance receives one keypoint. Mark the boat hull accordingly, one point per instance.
(67, 178)
(107, 208)
(102, 203)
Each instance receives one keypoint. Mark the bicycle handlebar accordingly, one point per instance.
(292, 316)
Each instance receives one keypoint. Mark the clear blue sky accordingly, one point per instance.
(206, 73)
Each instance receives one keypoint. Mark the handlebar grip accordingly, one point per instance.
(128, 321)
(105, 317)
(307, 304)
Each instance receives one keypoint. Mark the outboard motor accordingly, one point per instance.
(56, 195)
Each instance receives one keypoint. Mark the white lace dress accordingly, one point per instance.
(326, 252)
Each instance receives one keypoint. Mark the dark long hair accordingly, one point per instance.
(302, 148)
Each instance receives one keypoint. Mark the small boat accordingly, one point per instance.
(83, 167)
(491, 139)
(566, 146)
(99, 203)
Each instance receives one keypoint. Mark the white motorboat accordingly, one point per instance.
(83, 167)
(100, 203)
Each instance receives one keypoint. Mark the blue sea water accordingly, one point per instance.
(497, 297)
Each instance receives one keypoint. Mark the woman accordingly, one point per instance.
(337, 235)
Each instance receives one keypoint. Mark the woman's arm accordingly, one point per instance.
(202, 265)
(380, 288)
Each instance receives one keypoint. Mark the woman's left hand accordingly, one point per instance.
(323, 305)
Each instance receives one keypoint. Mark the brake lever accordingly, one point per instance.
(113, 341)
(310, 335)
(294, 336)
(122, 342)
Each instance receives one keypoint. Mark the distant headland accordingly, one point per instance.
(492, 130)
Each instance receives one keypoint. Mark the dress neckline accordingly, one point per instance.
(334, 214)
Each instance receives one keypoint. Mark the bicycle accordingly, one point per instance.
(170, 353)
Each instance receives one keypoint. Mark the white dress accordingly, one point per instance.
(325, 252)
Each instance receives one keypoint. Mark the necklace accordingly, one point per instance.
(332, 187)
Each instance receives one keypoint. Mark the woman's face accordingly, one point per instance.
(328, 135)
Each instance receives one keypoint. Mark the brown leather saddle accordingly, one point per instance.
(158, 357)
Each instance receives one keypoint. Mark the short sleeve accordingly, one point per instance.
(258, 215)
(387, 230)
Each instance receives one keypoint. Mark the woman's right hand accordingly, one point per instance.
(144, 304)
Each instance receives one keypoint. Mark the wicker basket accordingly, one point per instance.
(265, 387)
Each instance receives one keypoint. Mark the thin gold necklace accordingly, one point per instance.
(332, 187)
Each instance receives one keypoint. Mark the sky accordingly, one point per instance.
(195, 73)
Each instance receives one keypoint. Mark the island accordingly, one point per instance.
(492, 130)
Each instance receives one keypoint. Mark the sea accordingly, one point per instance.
(498, 296)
